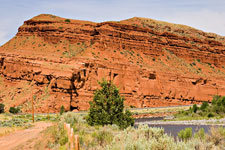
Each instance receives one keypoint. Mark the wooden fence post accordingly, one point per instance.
(77, 145)
(64, 125)
(71, 139)
(68, 130)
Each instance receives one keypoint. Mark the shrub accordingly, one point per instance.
(145, 138)
(103, 137)
(215, 99)
(108, 107)
(60, 135)
(218, 104)
(217, 108)
(217, 135)
(2, 108)
(185, 134)
(195, 108)
(132, 106)
(62, 110)
(210, 115)
(200, 134)
(15, 122)
(67, 20)
(14, 110)
(70, 118)
(204, 106)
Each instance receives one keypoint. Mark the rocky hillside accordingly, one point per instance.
(154, 63)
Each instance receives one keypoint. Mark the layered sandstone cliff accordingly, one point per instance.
(153, 63)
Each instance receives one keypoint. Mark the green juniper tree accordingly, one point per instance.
(2, 108)
(62, 109)
(107, 107)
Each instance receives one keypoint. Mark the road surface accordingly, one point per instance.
(20, 137)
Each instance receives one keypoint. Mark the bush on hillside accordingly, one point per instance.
(67, 20)
(2, 108)
(107, 107)
(14, 110)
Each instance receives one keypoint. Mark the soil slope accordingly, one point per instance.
(154, 63)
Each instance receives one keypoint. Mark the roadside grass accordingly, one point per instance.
(110, 137)
(215, 110)
(46, 139)
(28, 117)
(182, 117)
(10, 123)
(159, 110)
(7, 130)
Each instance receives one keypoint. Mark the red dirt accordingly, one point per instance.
(20, 137)
(153, 63)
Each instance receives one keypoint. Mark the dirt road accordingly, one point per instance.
(19, 137)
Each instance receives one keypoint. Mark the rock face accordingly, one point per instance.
(153, 64)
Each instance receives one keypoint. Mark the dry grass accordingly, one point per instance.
(177, 29)
(159, 110)
(7, 130)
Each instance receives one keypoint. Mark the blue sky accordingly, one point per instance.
(207, 15)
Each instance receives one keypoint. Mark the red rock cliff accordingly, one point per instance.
(153, 63)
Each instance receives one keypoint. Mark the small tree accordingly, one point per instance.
(107, 107)
(195, 108)
(204, 106)
(62, 110)
(67, 20)
(2, 108)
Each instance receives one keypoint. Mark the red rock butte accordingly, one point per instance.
(59, 61)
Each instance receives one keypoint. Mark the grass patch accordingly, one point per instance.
(206, 111)
(140, 138)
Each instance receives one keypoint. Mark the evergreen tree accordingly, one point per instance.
(107, 107)
(204, 106)
(2, 108)
(62, 109)
(195, 108)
